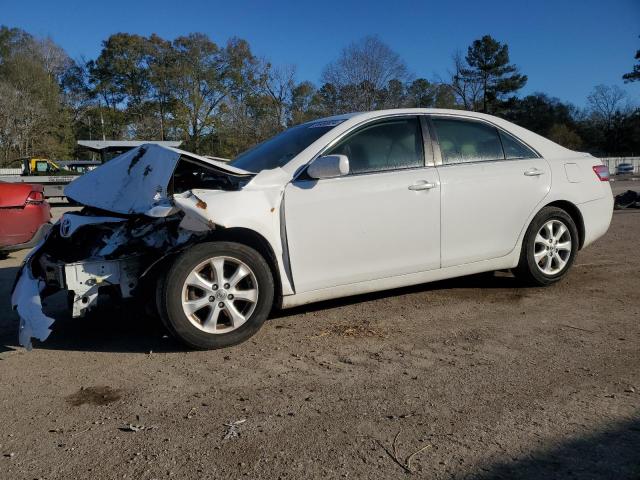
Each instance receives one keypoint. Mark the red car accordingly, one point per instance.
(24, 216)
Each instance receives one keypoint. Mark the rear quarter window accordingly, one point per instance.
(514, 149)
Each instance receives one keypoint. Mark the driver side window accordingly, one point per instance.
(387, 145)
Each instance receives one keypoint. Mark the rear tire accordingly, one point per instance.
(549, 248)
(216, 294)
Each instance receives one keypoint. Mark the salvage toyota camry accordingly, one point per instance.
(334, 207)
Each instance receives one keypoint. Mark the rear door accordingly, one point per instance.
(490, 184)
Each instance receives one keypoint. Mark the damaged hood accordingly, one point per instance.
(136, 181)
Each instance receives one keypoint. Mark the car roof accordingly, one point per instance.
(406, 111)
(542, 145)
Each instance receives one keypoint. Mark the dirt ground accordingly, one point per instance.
(481, 377)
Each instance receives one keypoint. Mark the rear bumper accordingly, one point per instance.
(596, 215)
(41, 232)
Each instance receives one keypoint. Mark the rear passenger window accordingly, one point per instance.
(463, 141)
(513, 149)
(387, 145)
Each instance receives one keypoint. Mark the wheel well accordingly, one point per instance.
(574, 213)
(252, 239)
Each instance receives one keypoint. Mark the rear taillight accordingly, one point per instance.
(35, 197)
(602, 171)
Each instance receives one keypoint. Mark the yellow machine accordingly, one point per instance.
(33, 166)
(38, 166)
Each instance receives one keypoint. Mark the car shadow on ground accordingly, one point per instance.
(119, 328)
(124, 328)
(610, 453)
(489, 280)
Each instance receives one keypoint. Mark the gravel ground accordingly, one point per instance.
(481, 377)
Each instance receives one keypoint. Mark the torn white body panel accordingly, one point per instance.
(26, 301)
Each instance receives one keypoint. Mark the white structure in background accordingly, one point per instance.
(613, 162)
(108, 149)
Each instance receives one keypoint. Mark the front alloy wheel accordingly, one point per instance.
(216, 294)
(220, 294)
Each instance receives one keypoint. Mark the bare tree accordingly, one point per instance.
(278, 84)
(8, 109)
(32, 119)
(606, 103)
(53, 57)
(468, 89)
(22, 118)
(363, 70)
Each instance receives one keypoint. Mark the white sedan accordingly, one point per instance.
(334, 207)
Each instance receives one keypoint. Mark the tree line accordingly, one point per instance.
(222, 99)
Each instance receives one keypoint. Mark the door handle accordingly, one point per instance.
(422, 185)
(533, 172)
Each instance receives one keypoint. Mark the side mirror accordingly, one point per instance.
(329, 166)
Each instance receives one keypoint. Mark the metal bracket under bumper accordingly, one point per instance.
(85, 279)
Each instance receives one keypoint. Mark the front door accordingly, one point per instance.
(381, 220)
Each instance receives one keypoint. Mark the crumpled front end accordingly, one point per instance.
(128, 223)
(89, 255)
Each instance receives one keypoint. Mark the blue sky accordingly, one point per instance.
(564, 46)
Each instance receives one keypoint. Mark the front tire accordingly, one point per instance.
(549, 248)
(216, 294)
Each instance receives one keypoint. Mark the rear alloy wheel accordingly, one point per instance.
(549, 247)
(552, 247)
(216, 294)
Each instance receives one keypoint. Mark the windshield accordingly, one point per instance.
(278, 150)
